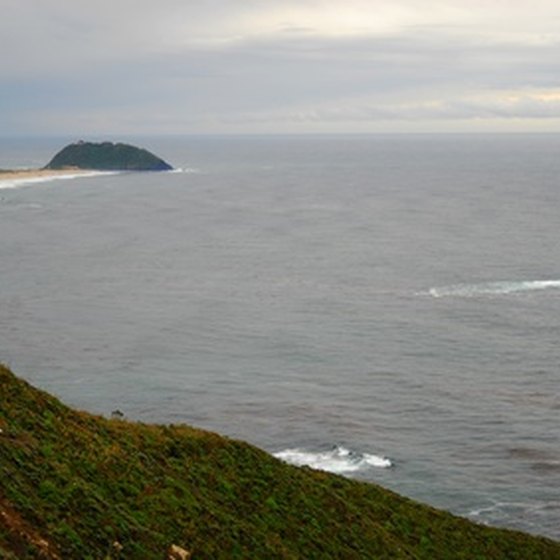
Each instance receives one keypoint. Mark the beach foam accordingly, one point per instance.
(183, 170)
(338, 460)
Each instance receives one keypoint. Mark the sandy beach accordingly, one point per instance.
(25, 174)
(13, 178)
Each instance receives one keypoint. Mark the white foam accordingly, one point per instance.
(184, 170)
(26, 181)
(338, 460)
(501, 507)
(492, 288)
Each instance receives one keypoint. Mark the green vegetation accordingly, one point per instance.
(108, 157)
(78, 486)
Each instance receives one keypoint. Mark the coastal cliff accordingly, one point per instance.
(107, 156)
(74, 485)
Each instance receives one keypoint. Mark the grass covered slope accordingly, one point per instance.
(73, 485)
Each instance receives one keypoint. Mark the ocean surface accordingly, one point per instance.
(384, 307)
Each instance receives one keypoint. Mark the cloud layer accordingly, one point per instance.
(268, 66)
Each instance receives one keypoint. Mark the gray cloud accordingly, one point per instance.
(216, 66)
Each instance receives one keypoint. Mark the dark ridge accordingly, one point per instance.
(107, 156)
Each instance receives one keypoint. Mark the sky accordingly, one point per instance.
(278, 66)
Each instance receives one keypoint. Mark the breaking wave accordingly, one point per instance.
(338, 460)
(492, 288)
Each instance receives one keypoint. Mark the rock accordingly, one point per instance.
(177, 553)
(106, 156)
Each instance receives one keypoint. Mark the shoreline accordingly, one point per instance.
(14, 178)
(25, 174)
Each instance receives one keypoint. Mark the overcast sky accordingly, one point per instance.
(228, 66)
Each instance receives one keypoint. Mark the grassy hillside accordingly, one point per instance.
(73, 485)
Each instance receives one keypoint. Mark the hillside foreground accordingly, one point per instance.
(78, 486)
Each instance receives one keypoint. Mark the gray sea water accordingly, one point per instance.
(346, 302)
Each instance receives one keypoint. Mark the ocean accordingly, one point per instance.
(384, 307)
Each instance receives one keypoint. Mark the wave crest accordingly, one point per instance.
(492, 288)
(338, 460)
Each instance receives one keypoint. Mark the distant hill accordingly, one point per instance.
(107, 156)
(76, 486)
